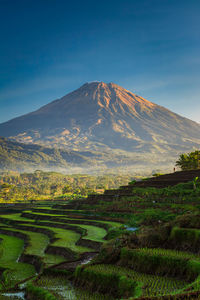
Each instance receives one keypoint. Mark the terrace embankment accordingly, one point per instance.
(61, 251)
(62, 219)
(106, 283)
(161, 181)
(71, 265)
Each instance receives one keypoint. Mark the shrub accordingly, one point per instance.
(185, 238)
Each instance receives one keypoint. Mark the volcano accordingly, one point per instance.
(101, 116)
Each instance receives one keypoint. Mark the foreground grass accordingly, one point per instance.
(12, 248)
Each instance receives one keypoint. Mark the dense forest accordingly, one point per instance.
(45, 185)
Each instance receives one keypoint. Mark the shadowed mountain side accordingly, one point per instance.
(18, 156)
(21, 157)
(103, 116)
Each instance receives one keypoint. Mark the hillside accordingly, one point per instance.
(44, 185)
(18, 156)
(100, 116)
(21, 157)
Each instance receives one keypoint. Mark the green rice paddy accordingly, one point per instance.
(11, 249)
(149, 246)
(65, 238)
(64, 290)
(152, 285)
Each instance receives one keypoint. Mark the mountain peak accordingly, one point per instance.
(95, 84)
(111, 96)
(104, 115)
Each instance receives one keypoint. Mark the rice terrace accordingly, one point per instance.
(139, 241)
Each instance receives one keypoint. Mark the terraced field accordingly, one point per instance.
(146, 241)
(13, 271)
(41, 241)
(153, 285)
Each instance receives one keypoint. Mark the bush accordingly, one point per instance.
(114, 233)
(185, 238)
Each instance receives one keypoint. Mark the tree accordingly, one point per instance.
(53, 189)
(67, 189)
(189, 161)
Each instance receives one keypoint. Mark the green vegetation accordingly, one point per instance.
(189, 161)
(63, 289)
(64, 238)
(150, 241)
(63, 219)
(15, 217)
(52, 185)
(94, 233)
(169, 252)
(37, 242)
(186, 236)
(52, 259)
(152, 285)
(106, 282)
(39, 293)
(148, 262)
(11, 248)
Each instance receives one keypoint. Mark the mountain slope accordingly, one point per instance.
(22, 157)
(105, 116)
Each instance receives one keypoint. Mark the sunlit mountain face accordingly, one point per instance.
(101, 116)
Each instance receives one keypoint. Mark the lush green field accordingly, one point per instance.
(16, 217)
(37, 245)
(65, 238)
(11, 248)
(94, 233)
(64, 217)
(37, 242)
(161, 257)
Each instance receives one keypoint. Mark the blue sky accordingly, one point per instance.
(51, 47)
